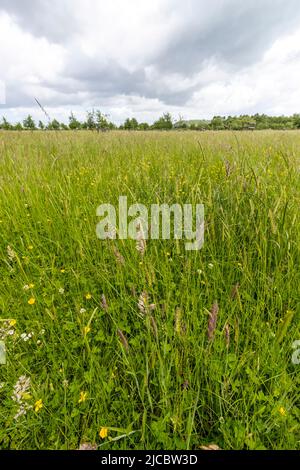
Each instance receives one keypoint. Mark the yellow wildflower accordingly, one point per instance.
(31, 301)
(31, 286)
(82, 397)
(38, 405)
(282, 411)
(12, 322)
(103, 433)
(62, 270)
(88, 296)
(86, 330)
(30, 247)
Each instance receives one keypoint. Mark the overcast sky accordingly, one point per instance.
(196, 58)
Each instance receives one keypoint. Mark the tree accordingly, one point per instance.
(164, 122)
(296, 121)
(143, 126)
(91, 120)
(183, 125)
(5, 124)
(101, 121)
(127, 124)
(73, 122)
(53, 125)
(41, 125)
(18, 127)
(131, 124)
(29, 123)
(217, 123)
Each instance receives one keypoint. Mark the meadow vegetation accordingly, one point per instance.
(167, 349)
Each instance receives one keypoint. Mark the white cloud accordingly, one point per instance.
(26, 58)
(142, 58)
(2, 92)
(270, 86)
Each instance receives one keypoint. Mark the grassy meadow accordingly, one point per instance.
(88, 359)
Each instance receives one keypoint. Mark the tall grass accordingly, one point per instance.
(154, 379)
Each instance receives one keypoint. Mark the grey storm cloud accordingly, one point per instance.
(237, 33)
(233, 33)
(44, 18)
(109, 79)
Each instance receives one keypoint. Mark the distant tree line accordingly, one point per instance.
(97, 121)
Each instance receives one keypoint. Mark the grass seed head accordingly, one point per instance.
(103, 303)
(154, 326)
(120, 258)
(235, 291)
(123, 339)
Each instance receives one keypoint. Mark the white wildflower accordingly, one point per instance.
(143, 305)
(88, 446)
(27, 336)
(21, 412)
(143, 302)
(141, 241)
(20, 391)
(10, 253)
(6, 330)
(21, 387)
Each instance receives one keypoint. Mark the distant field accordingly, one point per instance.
(115, 376)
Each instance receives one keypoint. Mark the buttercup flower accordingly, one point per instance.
(88, 296)
(86, 330)
(38, 405)
(103, 432)
(82, 397)
(282, 411)
(31, 301)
